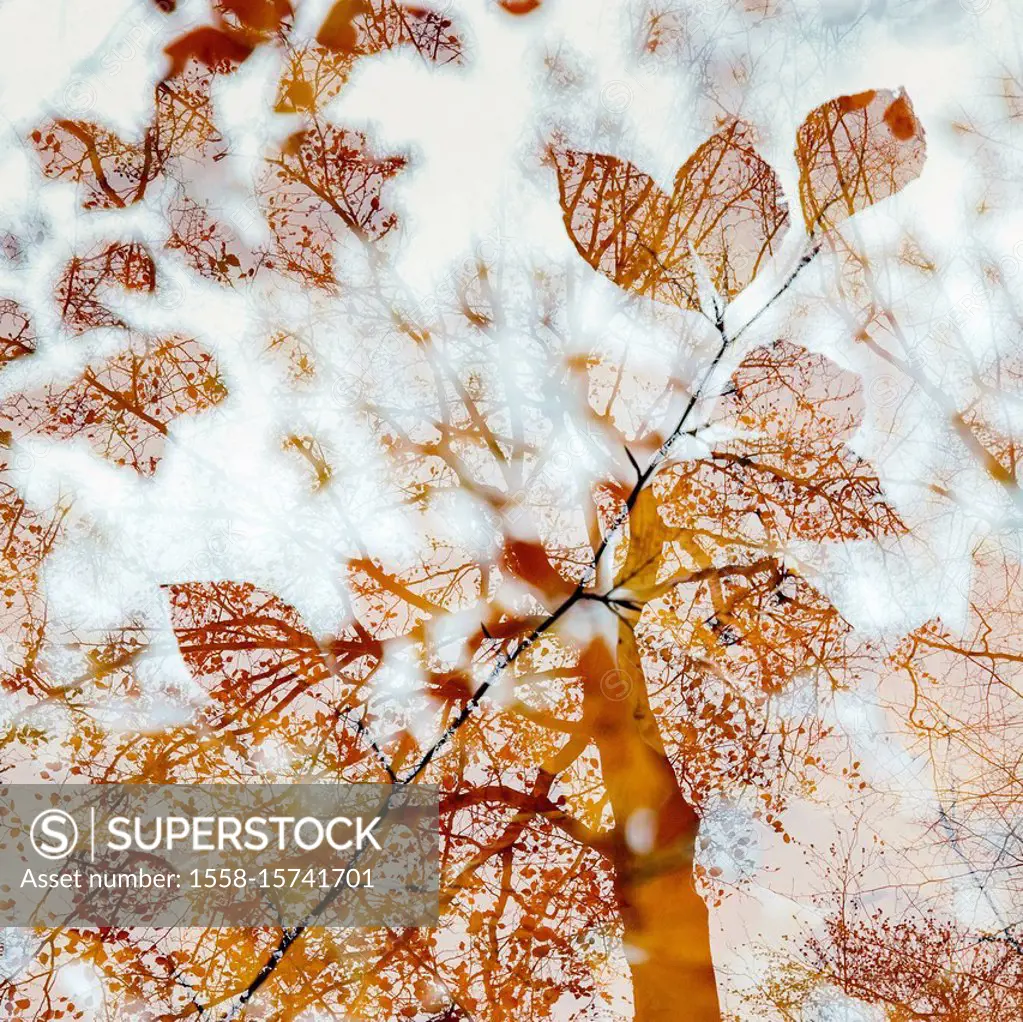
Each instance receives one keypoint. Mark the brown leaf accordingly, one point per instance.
(113, 172)
(732, 208)
(122, 407)
(16, 335)
(338, 31)
(530, 563)
(323, 180)
(757, 625)
(791, 475)
(624, 226)
(213, 48)
(233, 634)
(855, 151)
(360, 27)
(80, 290)
(726, 207)
(264, 677)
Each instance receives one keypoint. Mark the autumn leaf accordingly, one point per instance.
(728, 619)
(242, 641)
(220, 51)
(313, 76)
(726, 208)
(264, 677)
(731, 206)
(361, 27)
(123, 406)
(28, 536)
(855, 151)
(789, 473)
(720, 528)
(80, 292)
(233, 634)
(16, 335)
(112, 172)
(758, 625)
(254, 20)
(623, 225)
(530, 563)
(980, 718)
(520, 7)
(322, 181)
(316, 71)
(338, 31)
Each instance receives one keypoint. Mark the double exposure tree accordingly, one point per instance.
(600, 590)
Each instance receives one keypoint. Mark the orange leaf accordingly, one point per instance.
(79, 292)
(16, 335)
(360, 27)
(732, 208)
(791, 475)
(855, 151)
(338, 31)
(726, 207)
(529, 562)
(623, 225)
(122, 406)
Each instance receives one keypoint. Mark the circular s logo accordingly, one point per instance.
(54, 834)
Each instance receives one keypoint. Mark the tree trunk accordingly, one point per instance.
(667, 934)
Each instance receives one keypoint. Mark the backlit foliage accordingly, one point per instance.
(121, 407)
(855, 151)
(726, 208)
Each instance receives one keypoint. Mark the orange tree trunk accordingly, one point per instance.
(667, 933)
